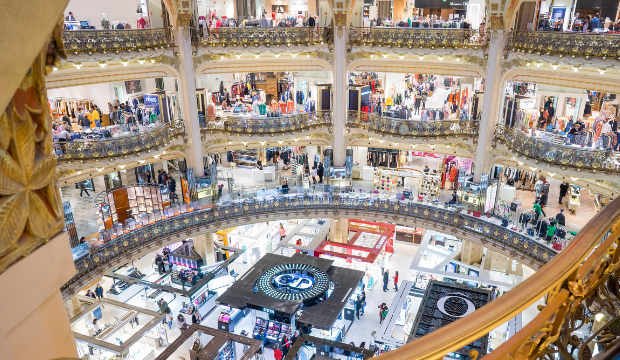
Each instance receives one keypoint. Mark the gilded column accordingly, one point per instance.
(32, 244)
(339, 230)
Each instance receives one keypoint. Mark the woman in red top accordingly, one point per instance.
(277, 353)
(396, 281)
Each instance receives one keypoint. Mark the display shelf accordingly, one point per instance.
(384, 181)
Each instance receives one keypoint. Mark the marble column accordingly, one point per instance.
(491, 104)
(203, 244)
(340, 95)
(339, 230)
(189, 107)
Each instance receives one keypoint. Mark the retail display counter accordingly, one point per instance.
(229, 318)
(122, 290)
(573, 198)
(274, 331)
(204, 300)
(80, 251)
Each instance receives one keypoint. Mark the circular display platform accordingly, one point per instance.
(294, 282)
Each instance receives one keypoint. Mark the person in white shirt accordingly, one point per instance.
(96, 325)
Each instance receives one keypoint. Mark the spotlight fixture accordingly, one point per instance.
(152, 61)
(401, 56)
(238, 56)
(141, 61)
(385, 56)
(458, 58)
(421, 57)
(294, 54)
(124, 62)
(576, 68)
(276, 55)
(54, 68)
(77, 65)
(440, 57)
(602, 71)
(555, 66)
(102, 64)
(257, 55)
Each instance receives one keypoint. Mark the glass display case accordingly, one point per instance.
(80, 251)
(340, 176)
(203, 187)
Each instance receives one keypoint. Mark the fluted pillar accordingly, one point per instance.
(189, 107)
(491, 103)
(339, 230)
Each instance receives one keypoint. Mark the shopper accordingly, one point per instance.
(386, 278)
(172, 187)
(169, 318)
(537, 209)
(159, 261)
(277, 353)
(560, 218)
(96, 326)
(384, 313)
(182, 278)
(264, 23)
(83, 189)
(426, 169)
(595, 22)
(295, 337)
(453, 200)
(163, 305)
(282, 232)
(551, 113)
(148, 177)
(381, 312)
(550, 231)
(313, 174)
(196, 318)
(99, 291)
(82, 240)
(91, 294)
(320, 172)
(363, 301)
(70, 17)
(181, 323)
(563, 190)
(161, 177)
(396, 281)
(286, 345)
(96, 116)
(261, 335)
(285, 188)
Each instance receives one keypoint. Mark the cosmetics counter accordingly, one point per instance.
(202, 299)
(274, 331)
(339, 176)
(255, 239)
(230, 317)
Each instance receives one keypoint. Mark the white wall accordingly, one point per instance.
(100, 94)
(157, 14)
(325, 14)
(398, 79)
(356, 16)
(212, 81)
(475, 12)
(222, 7)
(115, 10)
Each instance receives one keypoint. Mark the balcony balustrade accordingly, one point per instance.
(418, 37)
(120, 146)
(90, 41)
(258, 36)
(412, 128)
(276, 125)
(565, 156)
(566, 44)
(309, 205)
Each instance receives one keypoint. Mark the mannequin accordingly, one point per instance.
(140, 22)
(105, 23)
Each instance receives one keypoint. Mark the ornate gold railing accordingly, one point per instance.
(100, 259)
(257, 36)
(79, 41)
(121, 146)
(561, 155)
(409, 37)
(275, 125)
(553, 42)
(412, 128)
(577, 284)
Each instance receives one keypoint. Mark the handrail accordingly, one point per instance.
(258, 36)
(409, 37)
(121, 146)
(306, 205)
(412, 128)
(262, 125)
(581, 279)
(78, 41)
(571, 43)
(561, 155)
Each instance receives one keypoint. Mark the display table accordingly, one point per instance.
(269, 172)
(126, 294)
(367, 173)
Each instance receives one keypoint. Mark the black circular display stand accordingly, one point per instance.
(265, 283)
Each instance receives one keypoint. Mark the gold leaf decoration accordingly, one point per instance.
(30, 206)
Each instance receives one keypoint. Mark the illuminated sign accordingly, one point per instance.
(300, 282)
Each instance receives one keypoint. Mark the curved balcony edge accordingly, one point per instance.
(412, 128)
(259, 36)
(152, 139)
(115, 41)
(433, 38)
(266, 126)
(563, 156)
(572, 286)
(565, 44)
(532, 253)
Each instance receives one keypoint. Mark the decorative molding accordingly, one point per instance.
(198, 60)
(184, 21)
(496, 22)
(513, 63)
(340, 22)
(31, 209)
